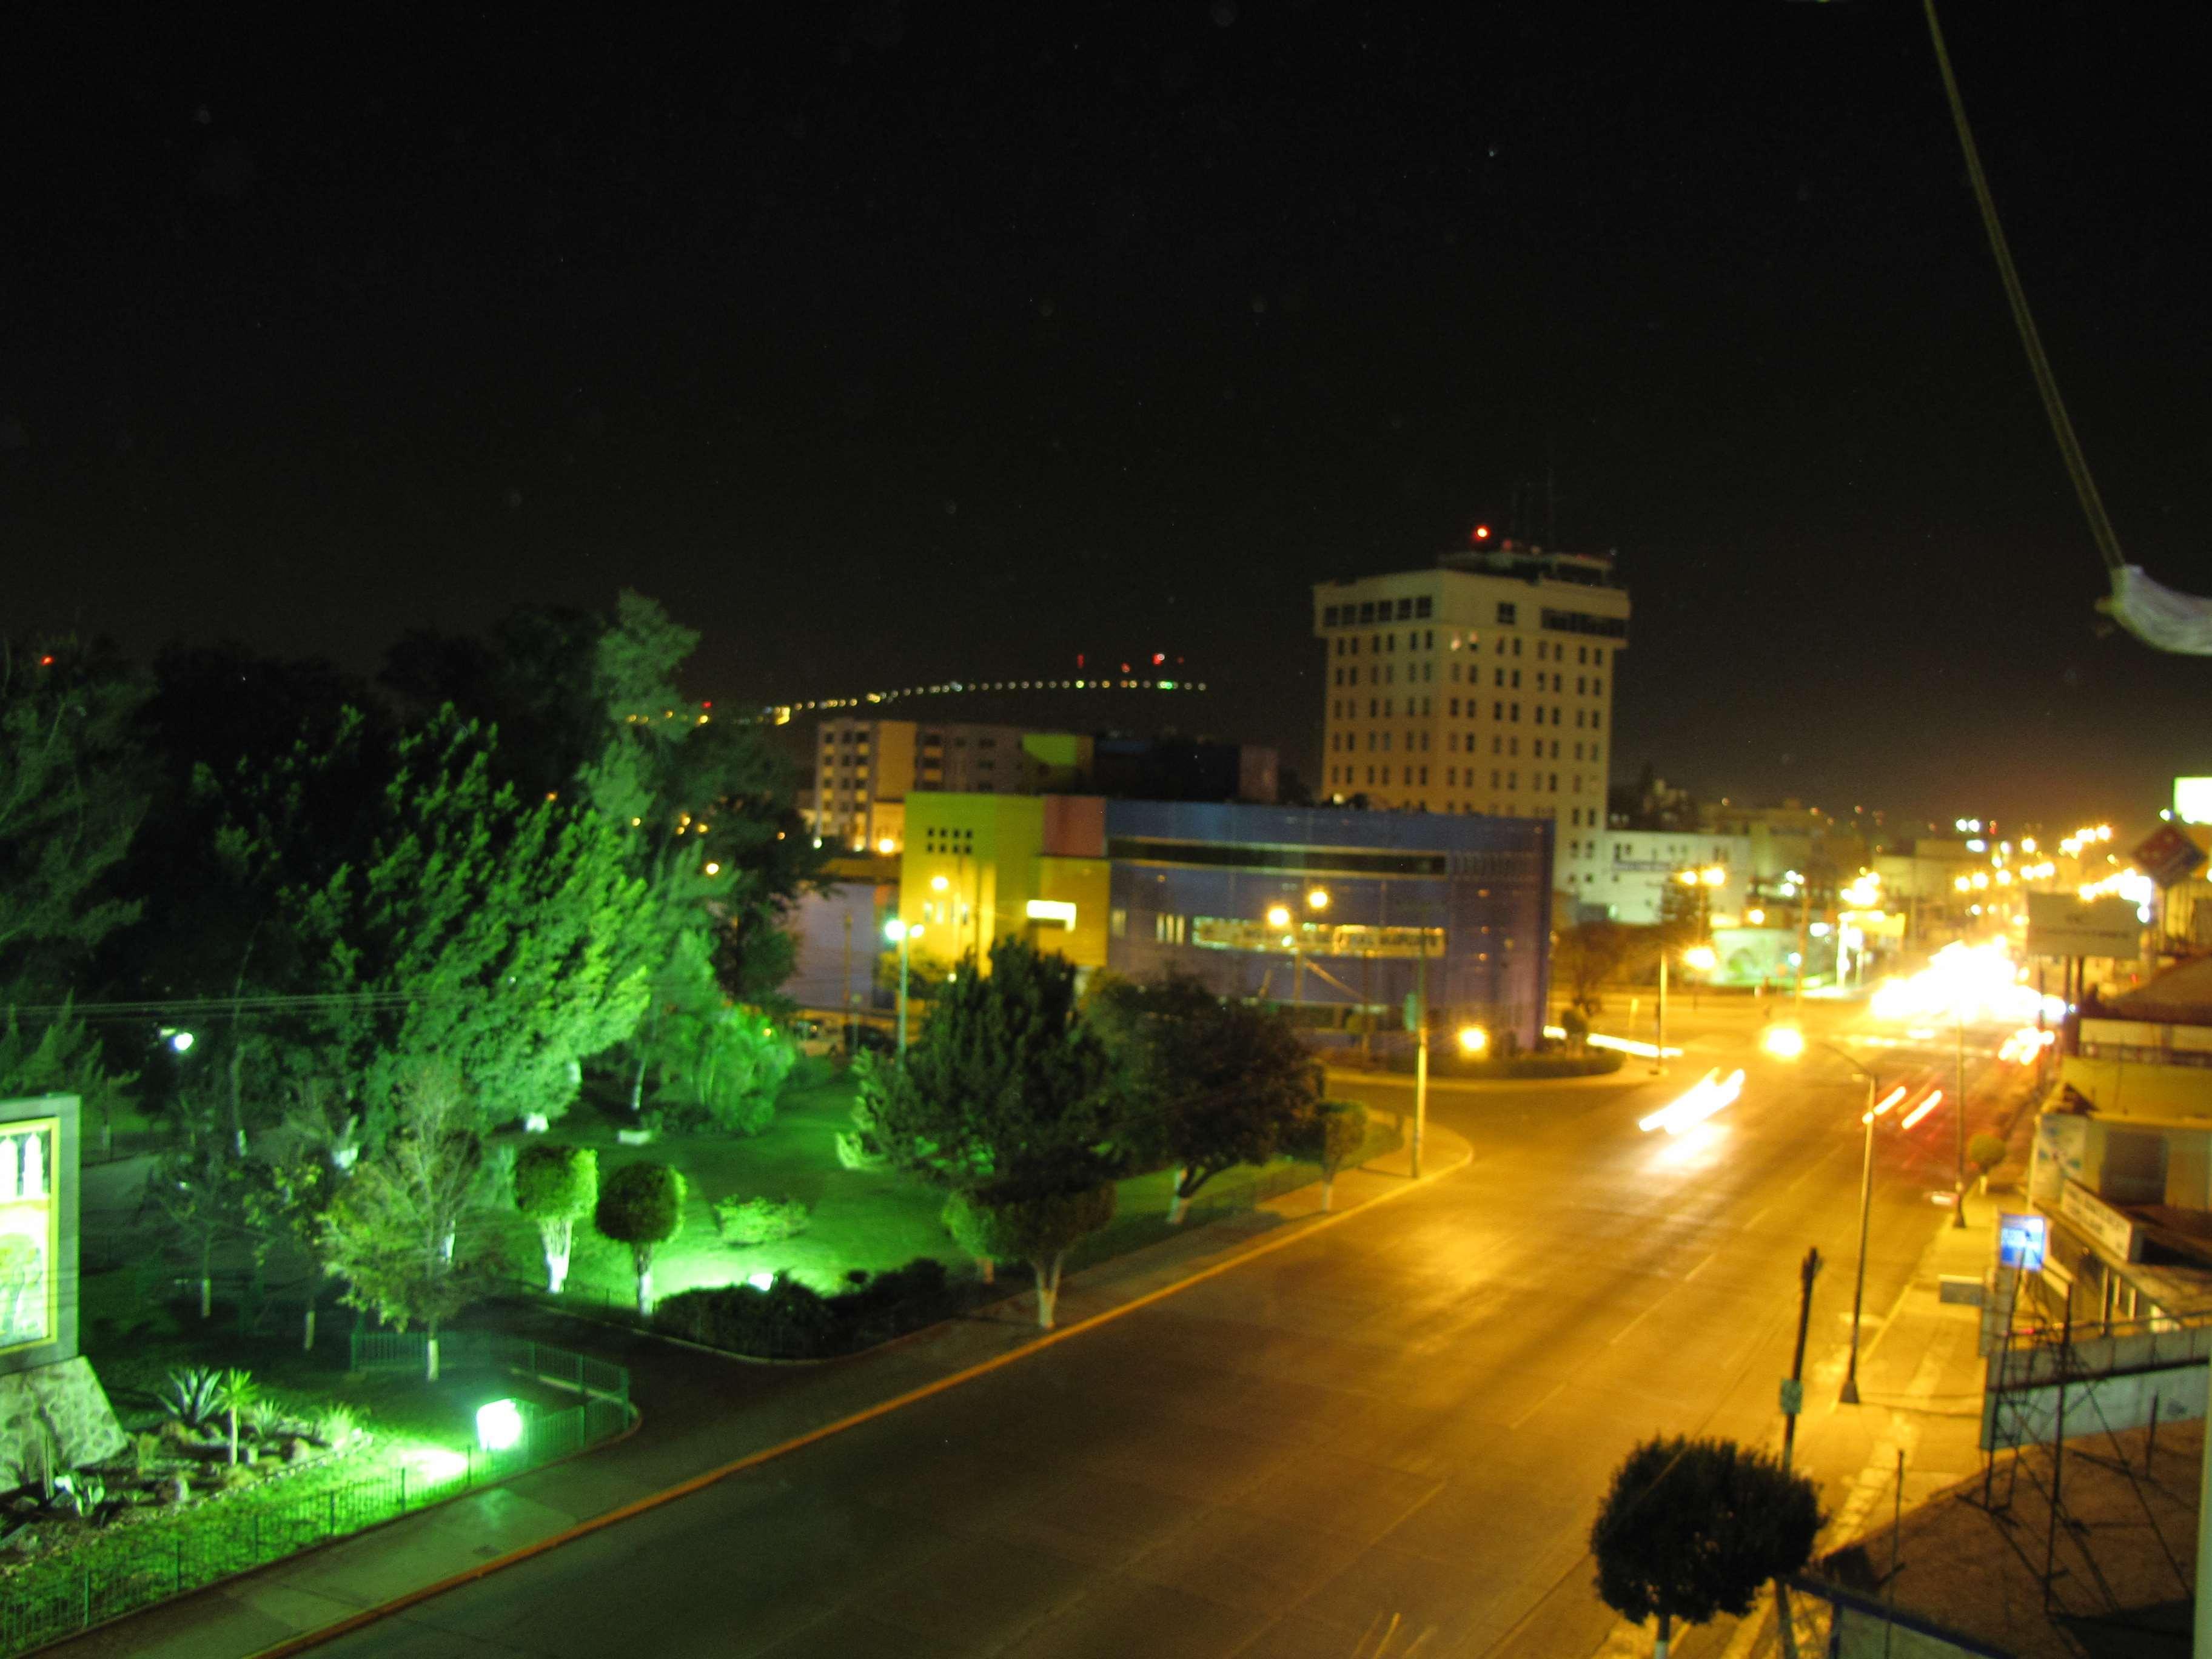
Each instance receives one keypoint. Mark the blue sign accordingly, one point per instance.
(2020, 1239)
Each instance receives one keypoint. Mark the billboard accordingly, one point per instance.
(30, 1233)
(38, 1231)
(2060, 925)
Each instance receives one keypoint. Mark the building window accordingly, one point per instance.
(1597, 687)
(1168, 930)
(1329, 617)
(1505, 614)
(1367, 612)
(1516, 680)
(1405, 609)
(1517, 714)
(1422, 605)
(1454, 707)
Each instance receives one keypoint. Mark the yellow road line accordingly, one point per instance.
(383, 1610)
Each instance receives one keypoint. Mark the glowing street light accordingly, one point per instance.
(1474, 1041)
(1703, 958)
(498, 1426)
(899, 933)
(1279, 916)
(1317, 898)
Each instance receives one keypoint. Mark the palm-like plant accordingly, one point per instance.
(237, 1394)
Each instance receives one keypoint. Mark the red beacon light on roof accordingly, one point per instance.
(1480, 534)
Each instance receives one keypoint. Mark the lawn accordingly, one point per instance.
(868, 1220)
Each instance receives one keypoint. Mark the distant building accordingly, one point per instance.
(1483, 685)
(1338, 911)
(865, 770)
(1622, 875)
(865, 767)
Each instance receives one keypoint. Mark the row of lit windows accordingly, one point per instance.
(1375, 610)
(1348, 708)
(1586, 685)
(1418, 777)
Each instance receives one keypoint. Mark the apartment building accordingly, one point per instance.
(863, 770)
(1482, 685)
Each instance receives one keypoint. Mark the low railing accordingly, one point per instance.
(125, 1571)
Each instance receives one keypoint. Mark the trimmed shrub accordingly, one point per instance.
(760, 1220)
(791, 1320)
(1985, 1151)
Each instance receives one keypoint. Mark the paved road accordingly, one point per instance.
(1409, 1417)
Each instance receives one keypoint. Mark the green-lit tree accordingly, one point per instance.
(394, 1231)
(203, 1188)
(1329, 1134)
(1208, 1085)
(557, 1187)
(506, 937)
(73, 792)
(1001, 1223)
(1691, 1528)
(1005, 1085)
(641, 1205)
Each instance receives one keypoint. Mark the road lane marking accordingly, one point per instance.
(1634, 1323)
(1706, 1263)
(303, 1641)
(1756, 1219)
(1557, 1390)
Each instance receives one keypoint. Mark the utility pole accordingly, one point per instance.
(1793, 1402)
(849, 981)
(1958, 1080)
(1850, 1393)
(1421, 1049)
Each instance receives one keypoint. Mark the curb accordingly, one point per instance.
(1267, 1245)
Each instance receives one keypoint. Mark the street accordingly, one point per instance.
(1408, 1418)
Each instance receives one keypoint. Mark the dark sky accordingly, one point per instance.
(889, 343)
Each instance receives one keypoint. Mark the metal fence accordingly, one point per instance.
(126, 1570)
(396, 1351)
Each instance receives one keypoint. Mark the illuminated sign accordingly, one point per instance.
(30, 1233)
(1053, 910)
(2021, 1241)
(2192, 799)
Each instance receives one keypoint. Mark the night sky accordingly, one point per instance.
(895, 343)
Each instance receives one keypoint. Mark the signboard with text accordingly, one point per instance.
(2167, 855)
(2020, 1242)
(2060, 925)
(2113, 1231)
(38, 1231)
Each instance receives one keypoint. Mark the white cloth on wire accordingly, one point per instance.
(2159, 616)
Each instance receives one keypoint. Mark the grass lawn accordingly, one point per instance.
(866, 1219)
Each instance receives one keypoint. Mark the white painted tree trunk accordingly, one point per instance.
(1177, 1202)
(1328, 1190)
(559, 1238)
(1048, 1290)
(207, 1297)
(430, 1358)
(644, 1287)
(1666, 1637)
(307, 1330)
(987, 1268)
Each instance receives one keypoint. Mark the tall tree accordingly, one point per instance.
(507, 938)
(1005, 1084)
(73, 792)
(1209, 1084)
(395, 1231)
(1690, 1528)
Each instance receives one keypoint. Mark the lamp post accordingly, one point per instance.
(903, 936)
(1788, 1043)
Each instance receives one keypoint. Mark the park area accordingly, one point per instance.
(857, 1220)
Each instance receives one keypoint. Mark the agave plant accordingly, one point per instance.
(192, 1397)
(80, 1493)
(336, 1424)
(266, 1418)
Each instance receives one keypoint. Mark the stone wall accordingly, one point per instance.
(68, 1399)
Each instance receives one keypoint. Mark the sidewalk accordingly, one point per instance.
(703, 1412)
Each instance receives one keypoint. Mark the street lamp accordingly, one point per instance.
(899, 933)
(1474, 1041)
(1788, 1043)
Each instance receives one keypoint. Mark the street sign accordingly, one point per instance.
(2168, 856)
(1412, 1011)
(2020, 1240)
(2060, 925)
(1793, 1396)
